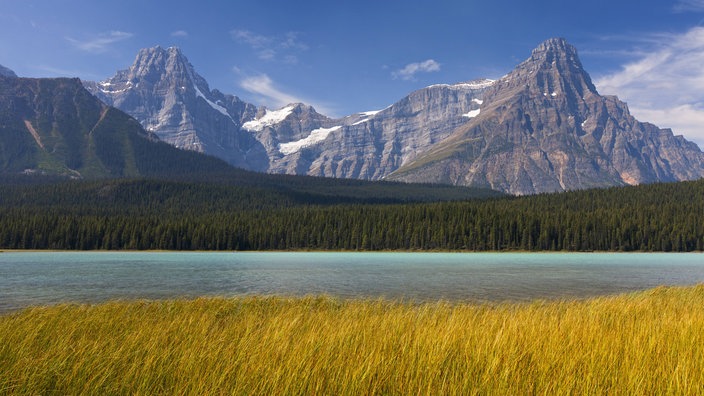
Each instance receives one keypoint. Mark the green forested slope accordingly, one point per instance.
(169, 215)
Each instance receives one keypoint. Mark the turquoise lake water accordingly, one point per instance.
(40, 278)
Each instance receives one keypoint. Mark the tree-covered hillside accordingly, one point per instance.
(141, 214)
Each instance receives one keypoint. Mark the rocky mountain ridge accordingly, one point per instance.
(54, 126)
(541, 128)
(544, 128)
(163, 91)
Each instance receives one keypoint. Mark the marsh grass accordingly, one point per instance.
(649, 342)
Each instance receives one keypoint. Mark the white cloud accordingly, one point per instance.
(271, 96)
(666, 86)
(689, 5)
(51, 71)
(271, 48)
(179, 33)
(248, 37)
(409, 72)
(100, 43)
(267, 54)
(263, 86)
(291, 41)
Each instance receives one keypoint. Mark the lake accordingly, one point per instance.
(40, 278)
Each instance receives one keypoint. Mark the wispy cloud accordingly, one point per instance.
(666, 86)
(410, 70)
(282, 48)
(248, 37)
(268, 93)
(689, 5)
(51, 71)
(179, 33)
(263, 86)
(101, 42)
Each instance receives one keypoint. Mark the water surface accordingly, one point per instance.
(39, 278)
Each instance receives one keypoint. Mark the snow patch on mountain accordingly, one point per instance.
(271, 117)
(476, 84)
(215, 106)
(104, 86)
(316, 136)
(472, 113)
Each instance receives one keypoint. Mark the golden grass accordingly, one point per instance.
(643, 343)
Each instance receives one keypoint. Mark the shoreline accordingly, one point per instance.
(486, 303)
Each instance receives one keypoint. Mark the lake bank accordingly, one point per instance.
(649, 342)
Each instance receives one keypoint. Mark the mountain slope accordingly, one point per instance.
(544, 127)
(56, 127)
(372, 144)
(6, 72)
(165, 94)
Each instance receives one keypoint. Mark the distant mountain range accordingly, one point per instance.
(541, 128)
(55, 127)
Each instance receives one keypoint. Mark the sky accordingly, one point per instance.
(345, 57)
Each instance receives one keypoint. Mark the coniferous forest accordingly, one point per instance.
(185, 215)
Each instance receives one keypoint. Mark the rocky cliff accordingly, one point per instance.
(162, 90)
(544, 127)
(372, 144)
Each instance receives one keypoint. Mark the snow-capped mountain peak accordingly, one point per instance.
(163, 91)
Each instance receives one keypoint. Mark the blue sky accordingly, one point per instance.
(347, 57)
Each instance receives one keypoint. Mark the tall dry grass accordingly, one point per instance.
(644, 343)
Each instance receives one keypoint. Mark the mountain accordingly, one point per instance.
(544, 127)
(371, 145)
(541, 128)
(6, 72)
(56, 127)
(162, 90)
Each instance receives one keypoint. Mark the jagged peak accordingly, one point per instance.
(556, 44)
(153, 63)
(159, 54)
(555, 53)
(553, 59)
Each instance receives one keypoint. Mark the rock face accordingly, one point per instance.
(162, 91)
(541, 128)
(6, 72)
(544, 128)
(371, 145)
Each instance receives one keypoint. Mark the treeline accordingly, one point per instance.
(659, 217)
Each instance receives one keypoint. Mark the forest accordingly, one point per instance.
(144, 214)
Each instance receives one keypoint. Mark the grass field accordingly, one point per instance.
(650, 342)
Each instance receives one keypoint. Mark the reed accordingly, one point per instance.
(648, 342)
